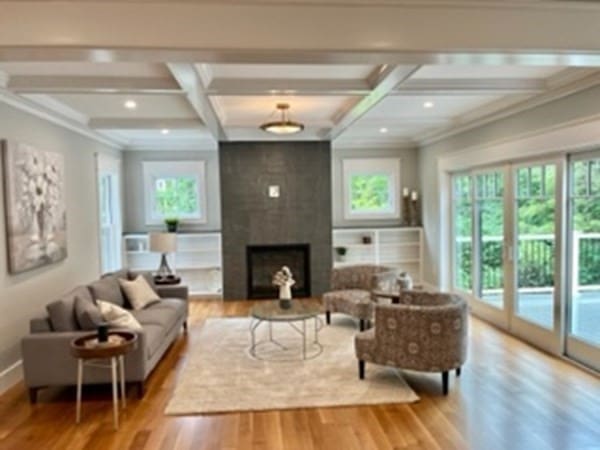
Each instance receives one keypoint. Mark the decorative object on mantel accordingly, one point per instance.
(172, 223)
(405, 206)
(34, 196)
(341, 253)
(414, 209)
(283, 125)
(285, 280)
(405, 281)
(163, 243)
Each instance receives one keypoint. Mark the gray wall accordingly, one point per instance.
(25, 295)
(408, 178)
(133, 176)
(302, 214)
(572, 108)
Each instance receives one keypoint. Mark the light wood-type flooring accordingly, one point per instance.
(509, 396)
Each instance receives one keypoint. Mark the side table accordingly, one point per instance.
(87, 350)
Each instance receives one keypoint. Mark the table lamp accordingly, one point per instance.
(163, 243)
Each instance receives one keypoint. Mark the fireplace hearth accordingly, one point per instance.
(264, 260)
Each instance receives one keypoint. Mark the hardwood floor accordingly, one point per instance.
(509, 396)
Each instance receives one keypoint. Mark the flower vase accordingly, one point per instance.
(285, 296)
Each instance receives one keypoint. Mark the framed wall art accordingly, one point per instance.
(34, 204)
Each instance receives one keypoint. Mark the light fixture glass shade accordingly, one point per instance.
(284, 125)
(163, 242)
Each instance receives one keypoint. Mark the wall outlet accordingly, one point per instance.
(274, 191)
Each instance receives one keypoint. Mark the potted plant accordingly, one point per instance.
(172, 223)
(341, 253)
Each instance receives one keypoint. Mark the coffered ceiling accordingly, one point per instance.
(382, 85)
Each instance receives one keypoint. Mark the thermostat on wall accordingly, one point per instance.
(274, 191)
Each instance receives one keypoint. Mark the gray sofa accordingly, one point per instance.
(47, 359)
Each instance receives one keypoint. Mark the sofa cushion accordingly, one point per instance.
(138, 292)
(62, 317)
(88, 314)
(117, 317)
(156, 316)
(108, 289)
(155, 336)
(174, 304)
(356, 302)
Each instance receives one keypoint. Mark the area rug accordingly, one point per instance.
(221, 375)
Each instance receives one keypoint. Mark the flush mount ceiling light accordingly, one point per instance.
(130, 104)
(165, 131)
(428, 104)
(383, 130)
(283, 125)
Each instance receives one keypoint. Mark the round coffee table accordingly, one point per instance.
(88, 350)
(271, 311)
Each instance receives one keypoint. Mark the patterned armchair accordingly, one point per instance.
(351, 288)
(426, 332)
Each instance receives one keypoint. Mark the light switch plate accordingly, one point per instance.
(274, 191)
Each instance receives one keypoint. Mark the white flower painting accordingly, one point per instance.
(34, 202)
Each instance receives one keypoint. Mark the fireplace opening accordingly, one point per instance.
(264, 260)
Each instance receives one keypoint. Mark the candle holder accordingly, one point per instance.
(406, 210)
(414, 212)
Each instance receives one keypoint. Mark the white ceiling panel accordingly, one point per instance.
(394, 108)
(112, 106)
(254, 110)
(291, 71)
(483, 72)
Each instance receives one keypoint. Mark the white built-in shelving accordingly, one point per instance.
(198, 260)
(400, 248)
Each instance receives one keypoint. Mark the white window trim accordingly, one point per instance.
(155, 169)
(365, 166)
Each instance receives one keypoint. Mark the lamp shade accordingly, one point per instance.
(163, 242)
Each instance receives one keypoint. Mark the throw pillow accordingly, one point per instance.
(117, 317)
(87, 313)
(62, 317)
(108, 288)
(138, 292)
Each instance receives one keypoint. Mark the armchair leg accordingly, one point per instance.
(458, 371)
(328, 317)
(445, 382)
(33, 395)
(361, 369)
(361, 324)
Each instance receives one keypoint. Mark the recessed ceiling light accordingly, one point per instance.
(383, 130)
(164, 131)
(130, 104)
(428, 104)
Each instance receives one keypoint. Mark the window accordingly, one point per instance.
(463, 230)
(371, 188)
(175, 189)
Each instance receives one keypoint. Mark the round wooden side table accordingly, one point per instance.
(88, 351)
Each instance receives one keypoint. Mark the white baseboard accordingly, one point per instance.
(11, 376)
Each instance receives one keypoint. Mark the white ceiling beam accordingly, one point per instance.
(144, 124)
(245, 86)
(483, 86)
(190, 81)
(398, 32)
(27, 84)
(393, 77)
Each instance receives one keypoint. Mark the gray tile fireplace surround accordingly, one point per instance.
(300, 215)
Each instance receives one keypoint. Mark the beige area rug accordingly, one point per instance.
(221, 376)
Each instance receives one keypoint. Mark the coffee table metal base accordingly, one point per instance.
(310, 350)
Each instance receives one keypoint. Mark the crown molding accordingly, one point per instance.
(400, 144)
(54, 117)
(588, 80)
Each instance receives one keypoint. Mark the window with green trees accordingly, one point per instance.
(370, 193)
(176, 196)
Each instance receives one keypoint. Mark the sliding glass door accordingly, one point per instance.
(583, 324)
(507, 223)
(537, 227)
